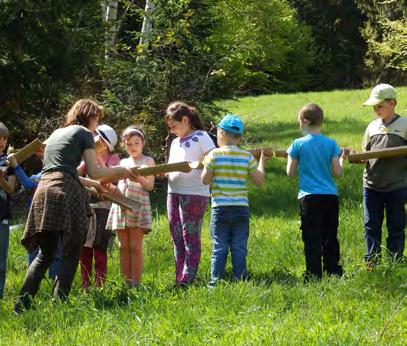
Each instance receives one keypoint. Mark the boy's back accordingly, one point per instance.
(314, 153)
(231, 166)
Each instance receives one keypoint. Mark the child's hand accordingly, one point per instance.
(345, 153)
(264, 155)
(131, 173)
(12, 161)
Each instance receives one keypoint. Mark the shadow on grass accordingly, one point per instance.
(280, 276)
(285, 132)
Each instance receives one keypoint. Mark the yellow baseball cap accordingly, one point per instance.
(380, 93)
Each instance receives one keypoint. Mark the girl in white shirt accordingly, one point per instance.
(187, 197)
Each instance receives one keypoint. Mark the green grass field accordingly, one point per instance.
(274, 306)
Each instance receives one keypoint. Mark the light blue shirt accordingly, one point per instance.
(314, 153)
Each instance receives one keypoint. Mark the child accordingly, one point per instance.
(228, 169)
(7, 184)
(31, 183)
(98, 236)
(187, 198)
(317, 158)
(130, 225)
(384, 180)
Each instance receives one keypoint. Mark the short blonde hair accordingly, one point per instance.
(83, 111)
(4, 130)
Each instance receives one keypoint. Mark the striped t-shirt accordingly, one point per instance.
(231, 167)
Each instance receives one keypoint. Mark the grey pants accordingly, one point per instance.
(36, 271)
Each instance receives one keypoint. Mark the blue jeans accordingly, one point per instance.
(374, 203)
(4, 240)
(229, 229)
(53, 268)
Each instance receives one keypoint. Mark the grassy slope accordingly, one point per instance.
(275, 306)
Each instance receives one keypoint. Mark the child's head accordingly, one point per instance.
(182, 119)
(85, 112)
(133, 140)
(310, 116)
(230, 130)
(383, 98)
(106, 138)
(4, 134)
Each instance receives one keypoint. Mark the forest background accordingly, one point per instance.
(197, 51)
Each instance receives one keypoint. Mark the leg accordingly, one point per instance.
(67, 270)
(220, 235)
(373, 205)
(124, 253)
(174, 220)
(136, 254)
(396, 222)
(192, 212)
(238, 244)
(53, 269)
(86, 266)
(311, 226)
(4, 242)
(32, 255)
(35, 273)
(100, 266)
(330, 244)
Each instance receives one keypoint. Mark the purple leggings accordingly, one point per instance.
(185, 214)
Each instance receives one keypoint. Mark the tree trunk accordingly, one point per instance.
(109, 12)
(146, 28)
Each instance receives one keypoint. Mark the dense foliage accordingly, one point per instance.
(48, 49)
(52, 52)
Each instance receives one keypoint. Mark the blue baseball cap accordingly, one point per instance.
(232, 123)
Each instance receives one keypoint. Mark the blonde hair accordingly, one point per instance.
(82, 112)
(4, 130)
(131, 131)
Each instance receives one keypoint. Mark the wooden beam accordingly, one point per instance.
(121, 200)
(378, 154)
(28, 150)
(183, 166)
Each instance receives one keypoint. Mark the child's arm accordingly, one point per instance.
(257, 176)
(292, 165)
(208, 171)
(25, 181)
(337, 162)
(206, 175)
(146, 182)
(9, 184)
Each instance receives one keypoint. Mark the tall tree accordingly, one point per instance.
(385, 32)
(47, 48)
(335, 25)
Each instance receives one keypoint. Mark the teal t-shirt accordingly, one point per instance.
(314, 153)
(65, 148)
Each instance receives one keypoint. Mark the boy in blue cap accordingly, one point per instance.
(228, 169)
(384, 180)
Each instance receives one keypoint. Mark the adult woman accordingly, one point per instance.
(60, 206)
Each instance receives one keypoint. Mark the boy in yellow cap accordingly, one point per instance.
(385, 179)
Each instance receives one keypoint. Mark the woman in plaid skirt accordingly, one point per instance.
(60, 206)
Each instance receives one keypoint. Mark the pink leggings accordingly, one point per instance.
(185, 214)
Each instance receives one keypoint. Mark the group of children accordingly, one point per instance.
(227, 169)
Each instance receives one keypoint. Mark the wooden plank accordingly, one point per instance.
(183, 166)
(270, 152)
(378, 154)
(121, 200)
(28, 150)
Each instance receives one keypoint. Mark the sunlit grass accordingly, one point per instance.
(274, 306)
